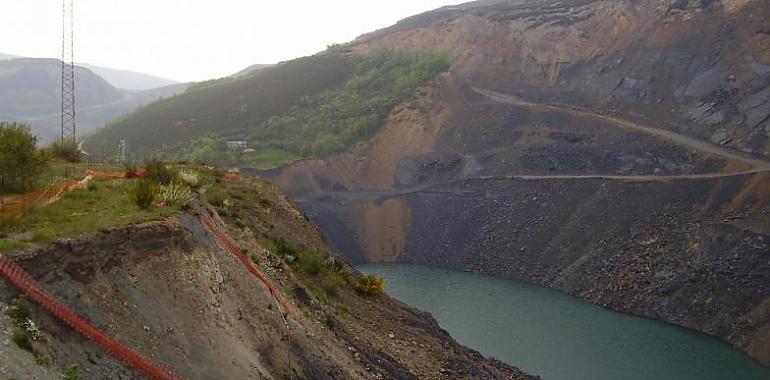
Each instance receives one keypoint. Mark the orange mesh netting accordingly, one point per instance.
(22, 280)
(230, 246)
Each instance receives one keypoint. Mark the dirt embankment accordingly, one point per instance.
(168, 291)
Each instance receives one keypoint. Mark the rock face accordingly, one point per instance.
(616, 150)
(692, 68)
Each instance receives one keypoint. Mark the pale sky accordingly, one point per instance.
(188, 40)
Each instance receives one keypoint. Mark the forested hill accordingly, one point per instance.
(309, 106)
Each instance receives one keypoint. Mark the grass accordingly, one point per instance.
(73, 372)
(79, 212)
(269, 158)
(322, 274)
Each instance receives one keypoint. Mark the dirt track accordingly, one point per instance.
(757, 165)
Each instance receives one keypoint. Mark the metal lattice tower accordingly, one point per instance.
(123, 152)
(68, 74)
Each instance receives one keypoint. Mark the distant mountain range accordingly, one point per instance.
(124, 79)
(30, 92)
(129, 80)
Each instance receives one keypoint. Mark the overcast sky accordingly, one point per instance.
(189, 40)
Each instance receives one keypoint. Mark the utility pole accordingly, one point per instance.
(122, 152)
(68, 73)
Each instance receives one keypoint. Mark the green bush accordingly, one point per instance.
(21, 163)
(22, 339)
(283, 249)
(216, 196)
(370, 285)
(143, 193)
(73, 372)
(20, 311)
(42, 360)
(159, 172)
(311, 263)
(66, 150)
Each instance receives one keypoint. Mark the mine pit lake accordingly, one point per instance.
(557, 336)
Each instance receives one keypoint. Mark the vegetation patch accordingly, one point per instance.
(26, 329)
(65, 150)
(347, 101)
(21, 163)
(73, 372)
(160, 172)
(370, 285)
(143, 192)
(335, 119)
(79, 212)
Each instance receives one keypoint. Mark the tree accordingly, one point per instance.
(21, 163)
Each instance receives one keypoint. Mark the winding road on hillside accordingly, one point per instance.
(757, 165)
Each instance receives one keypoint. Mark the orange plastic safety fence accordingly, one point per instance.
(22, 280)
(230, 246)
(17, 205)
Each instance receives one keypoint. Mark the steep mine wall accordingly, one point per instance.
(698, 67)
(569, 177)
(693, 253)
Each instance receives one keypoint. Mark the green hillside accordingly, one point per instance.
(229, 108)
(310, 106)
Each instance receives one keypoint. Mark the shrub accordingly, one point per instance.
(42, 360)
(283, 249)
(217, 196)
(190, 177)
(370, 285)
(159, 172)
(20, 311)
(66, 150)
(175, 194)
(21, 338)
(330, 323)
(143, 193)
(21, 163)
(73, 372)
(311, 263)
(92, 186)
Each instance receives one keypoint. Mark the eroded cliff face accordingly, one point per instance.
(700, 67)
(615, 150)
(168, 291)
